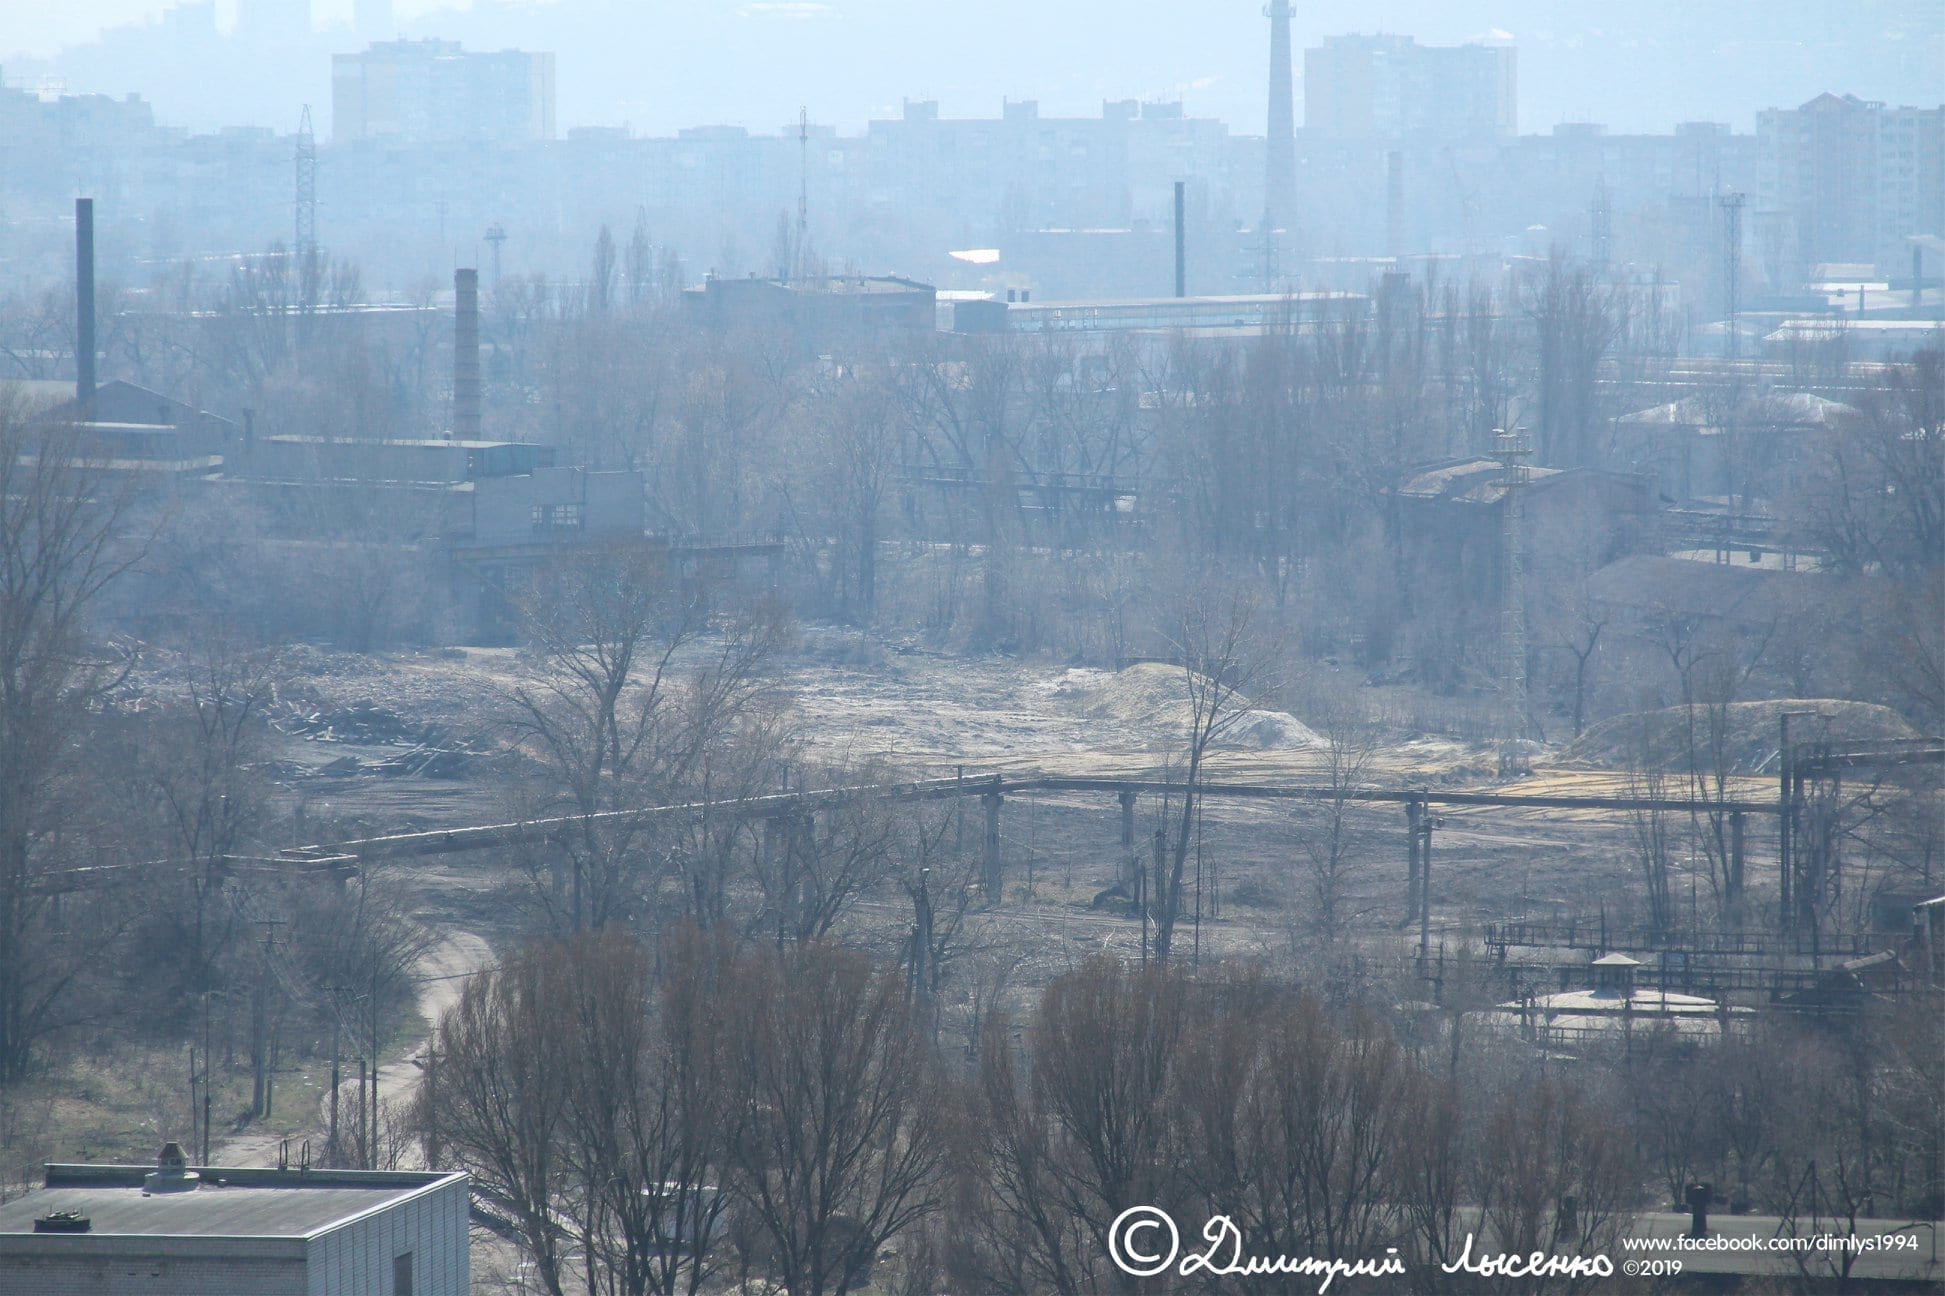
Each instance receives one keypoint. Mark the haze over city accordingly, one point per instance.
(802, 647)
(1639, 66)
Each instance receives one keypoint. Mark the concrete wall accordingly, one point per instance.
(608, 503)
(134, 1275)
(357, 1258)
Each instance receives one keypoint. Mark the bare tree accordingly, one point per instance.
(1554, 1174)
(838, 1145)
(502, 1111)
(1575, 323)
(64, 531)
(638, 683)
(1350, 744)
(195, 764)
(1218, 640)
(852, 443)
(645, 1109)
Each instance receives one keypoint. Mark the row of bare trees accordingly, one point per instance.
(131, 814)
(650, 1122)
(642, 1123)
(660, 1117)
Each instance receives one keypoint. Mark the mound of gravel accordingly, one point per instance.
(1750, 733)
(1153, 697)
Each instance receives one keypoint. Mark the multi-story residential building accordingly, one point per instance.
(1846, 180)
(1392, 88)
(431, 90)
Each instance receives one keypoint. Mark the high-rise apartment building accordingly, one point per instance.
(1392, 88)
(273, 20)
(430, 91)
(1846, 180)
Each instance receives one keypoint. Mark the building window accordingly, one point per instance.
(402, 1275)
(557, 517)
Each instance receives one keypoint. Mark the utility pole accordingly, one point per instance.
(260, 1048)
(430, 1066)
(337, 1033)
(192, 1098)
(372, 1003)
(1512, 449)
(1426, 823)
(208, 1075)
(922, 973)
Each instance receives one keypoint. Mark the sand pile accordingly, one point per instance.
(1750, 733)
(1152, 698)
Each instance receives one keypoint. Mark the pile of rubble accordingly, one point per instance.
(430, 751)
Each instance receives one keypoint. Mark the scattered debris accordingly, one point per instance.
(431, 750)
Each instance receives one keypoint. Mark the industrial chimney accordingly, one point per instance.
(1280, 169)
(465, 355)
(84, 300)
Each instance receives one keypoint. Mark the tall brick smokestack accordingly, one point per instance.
(84, 300)
(1280, 168)
(465, 355)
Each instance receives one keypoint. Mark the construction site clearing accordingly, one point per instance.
(1531, 876)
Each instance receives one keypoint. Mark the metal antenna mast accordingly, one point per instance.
(1732, 207)
(306, 211)
(496, 235)
(1512, 449)
(803, 191)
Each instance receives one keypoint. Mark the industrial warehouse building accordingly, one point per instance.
(223, 1231)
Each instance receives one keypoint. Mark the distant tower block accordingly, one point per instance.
(1280, 167)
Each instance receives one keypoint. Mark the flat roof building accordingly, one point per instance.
(181, 1231)
(817, 308)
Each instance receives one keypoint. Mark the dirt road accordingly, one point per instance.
(441, 972)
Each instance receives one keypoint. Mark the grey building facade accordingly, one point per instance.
(222, 1231)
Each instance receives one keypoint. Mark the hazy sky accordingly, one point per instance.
(37, 28)
(658, 65)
